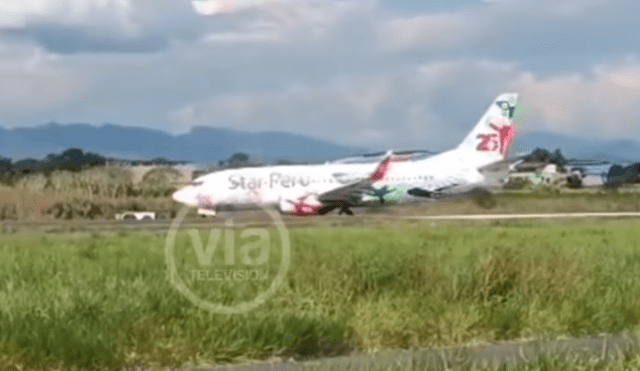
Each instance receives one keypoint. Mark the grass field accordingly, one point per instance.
(102, 300)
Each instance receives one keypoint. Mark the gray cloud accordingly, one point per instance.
(324, 67)
(415, 106)
(544, 35)
(36, 85)
(67, 40)
(114, 26)
(605, 103)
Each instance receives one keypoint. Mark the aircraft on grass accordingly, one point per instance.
(318, 189)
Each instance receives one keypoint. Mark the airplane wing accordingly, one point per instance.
(497, 166)
(351, 194)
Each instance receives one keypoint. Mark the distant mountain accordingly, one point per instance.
(207, 145)
(200, 145)
(616, 150)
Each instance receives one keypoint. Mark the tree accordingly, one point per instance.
(6, 170)
(238, 158)
(72, 159)
(26, 166)
(160, 160)
(160, 182)
(91, 159)
(72, 154)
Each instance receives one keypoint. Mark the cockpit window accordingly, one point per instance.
(197, 183)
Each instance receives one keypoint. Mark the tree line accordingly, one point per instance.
(72, 160)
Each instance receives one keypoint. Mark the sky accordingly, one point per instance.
(374, 73)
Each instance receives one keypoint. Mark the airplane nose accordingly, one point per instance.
(185, 196)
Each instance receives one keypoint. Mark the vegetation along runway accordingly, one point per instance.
(101, 298)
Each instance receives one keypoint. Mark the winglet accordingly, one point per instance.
(383, 167)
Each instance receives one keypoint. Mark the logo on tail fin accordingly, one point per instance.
(507, 108)
(500, 139)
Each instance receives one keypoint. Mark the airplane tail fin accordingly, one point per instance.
(489, 140)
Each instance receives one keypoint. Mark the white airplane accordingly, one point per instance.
(318, 189)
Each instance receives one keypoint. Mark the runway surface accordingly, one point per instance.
(289, 221)
(496, 356)
(525, 216)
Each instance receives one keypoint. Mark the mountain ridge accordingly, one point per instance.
(200, 144)
(204, 144)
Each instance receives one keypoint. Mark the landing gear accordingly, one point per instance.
(483, 198)
(346, 209)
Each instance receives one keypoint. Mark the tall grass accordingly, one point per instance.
(513, 202)
(101, 192)
(102, 300)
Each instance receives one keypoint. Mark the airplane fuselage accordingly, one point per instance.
(278, 185)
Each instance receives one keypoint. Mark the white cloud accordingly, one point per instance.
(19, 13)
(34, 82)
(387, 109)
(217, 7)
(243, 37)
(343, 105)
(606, 104)
(573, 8)
(431, 105)
(431, 31)
(284, 21)
(320, 66)
(514, 27)
(73, 26)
